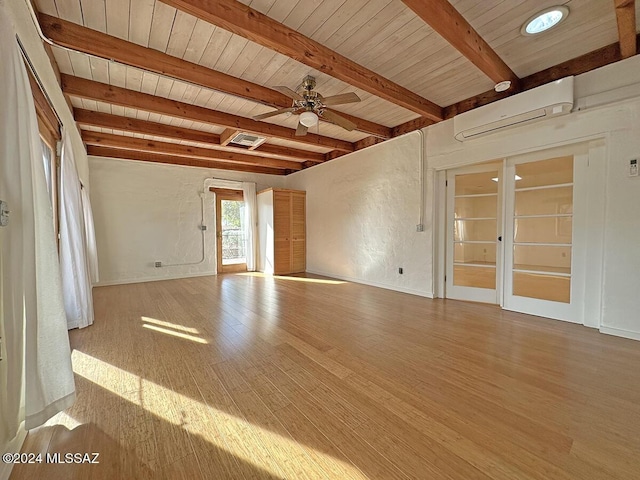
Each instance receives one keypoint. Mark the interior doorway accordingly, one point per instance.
(230, 231)
(515, 236)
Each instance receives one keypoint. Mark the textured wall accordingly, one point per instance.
(362, 211)
(147, 212)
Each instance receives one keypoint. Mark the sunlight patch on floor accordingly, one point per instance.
(294, 279)
(223, 430)
(63, 419)
(175, 326)
(173, 333)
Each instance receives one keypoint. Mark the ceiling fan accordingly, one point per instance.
(311, 106)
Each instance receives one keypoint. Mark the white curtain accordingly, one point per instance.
(74, 262)
(90, 236)
(37, 357)
(250, 220)
(250, 224)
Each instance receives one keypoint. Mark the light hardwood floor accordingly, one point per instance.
(251, 377)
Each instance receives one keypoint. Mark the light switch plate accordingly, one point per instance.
(633, 167)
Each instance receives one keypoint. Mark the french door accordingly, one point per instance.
(545, 256)
(515, 234)
(474, 233)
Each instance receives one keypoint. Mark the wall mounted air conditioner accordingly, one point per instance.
(550, 100)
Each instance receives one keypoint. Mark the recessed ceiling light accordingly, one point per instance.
(544, 20)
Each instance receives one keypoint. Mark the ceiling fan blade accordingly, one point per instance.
(341, 99)
(301, 131)
(338, 120)
(275, 112)
(289, 93)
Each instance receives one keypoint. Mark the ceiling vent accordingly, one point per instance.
(248, 140)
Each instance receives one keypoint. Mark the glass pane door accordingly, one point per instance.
(540, 247)
(230, 235)
(473, 233)
(542, 232)
(233, 244)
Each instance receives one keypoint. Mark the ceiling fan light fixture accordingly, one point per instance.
(544, 20)
(308, 119)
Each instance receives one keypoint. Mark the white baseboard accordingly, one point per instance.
(618, 332)
(373, 284)
(14, 446)
(128, 281)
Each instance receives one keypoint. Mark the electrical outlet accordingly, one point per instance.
(420, 227)
(4, 214)
(400, 270)
(633, 167)
(158, 264)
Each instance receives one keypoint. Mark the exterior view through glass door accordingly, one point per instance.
(474, 200)
(230, 236)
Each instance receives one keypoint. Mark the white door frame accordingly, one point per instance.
(589, 194)
(472, 293)
(569, 312)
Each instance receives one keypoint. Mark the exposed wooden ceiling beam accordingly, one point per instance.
(126, 124)
(167, 148)
(92, 42)
(454, 28)
(333, 155)
(82, 88)
(133, 125)
(412, 125)
(43, 107)
(367, 142)
(227, 136)
(242, 20)
(626, 15)
(123, 154)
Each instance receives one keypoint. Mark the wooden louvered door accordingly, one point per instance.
(282, 231)
(298, 232)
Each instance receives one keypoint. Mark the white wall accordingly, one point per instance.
(362, 212)
(147, 212)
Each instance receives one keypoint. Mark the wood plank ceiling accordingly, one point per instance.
(176, 79)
